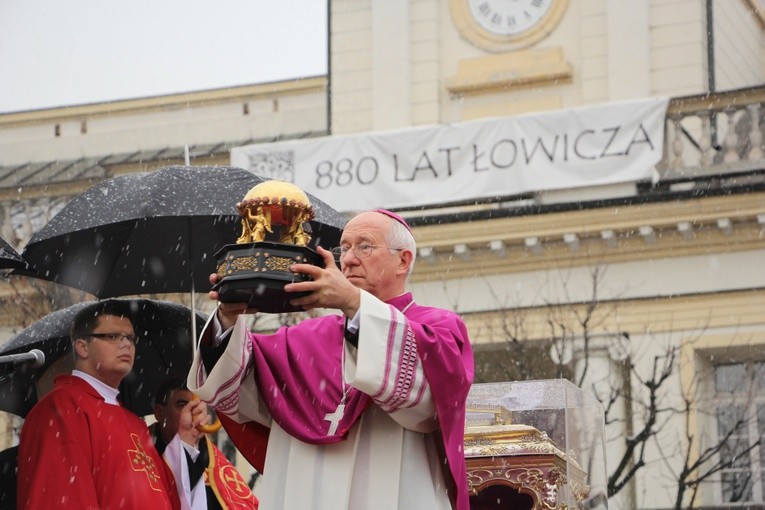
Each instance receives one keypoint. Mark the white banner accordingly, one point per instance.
(497, 157)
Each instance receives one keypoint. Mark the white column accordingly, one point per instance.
(391, 65)
(6, 227)
(26, 223)
(628, 37)
(603, 376)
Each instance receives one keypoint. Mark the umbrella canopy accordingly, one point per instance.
(153, 232)
(9, 258)
(163, 351)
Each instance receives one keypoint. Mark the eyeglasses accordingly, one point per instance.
(114, 337)
(361, 250)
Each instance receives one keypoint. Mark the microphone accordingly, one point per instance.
(35, 357)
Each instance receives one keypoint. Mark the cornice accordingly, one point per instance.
(716, 101)
(164, 103)
(593, 236)
(71, 188)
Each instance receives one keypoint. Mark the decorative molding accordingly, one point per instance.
(536, 242)
(165, 103)
(525, 68)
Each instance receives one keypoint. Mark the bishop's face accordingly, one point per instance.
(108, 360)
(369, 263)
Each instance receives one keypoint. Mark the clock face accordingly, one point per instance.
(506, 25)
(508, 17)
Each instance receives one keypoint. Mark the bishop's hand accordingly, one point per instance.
(328, 287)
(228, 313)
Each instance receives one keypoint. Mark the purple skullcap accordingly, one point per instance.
(395, 216)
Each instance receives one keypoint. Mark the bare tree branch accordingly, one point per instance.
(639, 397)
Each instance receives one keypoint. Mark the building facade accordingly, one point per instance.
(618, 285)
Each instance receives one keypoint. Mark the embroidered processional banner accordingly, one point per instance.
(496, 157)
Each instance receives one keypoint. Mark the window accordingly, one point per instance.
(740, 417)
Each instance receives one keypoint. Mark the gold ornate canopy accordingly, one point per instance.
(275, 203)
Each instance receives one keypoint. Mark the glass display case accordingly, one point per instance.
(535, 445)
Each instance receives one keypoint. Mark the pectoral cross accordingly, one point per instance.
(334, 418)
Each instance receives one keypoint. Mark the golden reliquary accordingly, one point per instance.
(273, 204)
(518, 466)
(275, 215)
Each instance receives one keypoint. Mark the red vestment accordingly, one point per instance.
(230, 489)
(79, 452)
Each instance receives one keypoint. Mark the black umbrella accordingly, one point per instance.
(153, 232)
(163, 351)
(9, 258)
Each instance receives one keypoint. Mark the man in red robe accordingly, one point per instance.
(80, 449)
(365, 409)
(223, 485)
